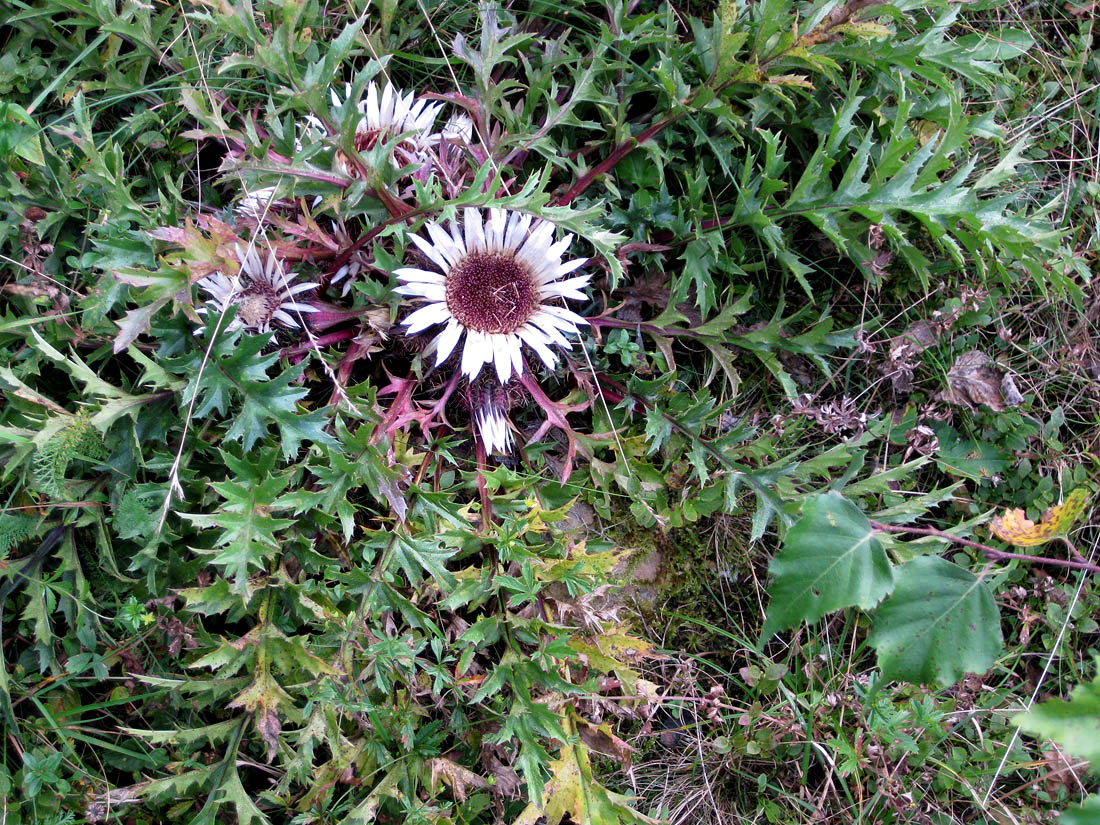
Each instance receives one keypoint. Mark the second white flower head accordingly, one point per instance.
(264, 293)
(499, 275)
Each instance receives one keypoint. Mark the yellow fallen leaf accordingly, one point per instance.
(1017, 529)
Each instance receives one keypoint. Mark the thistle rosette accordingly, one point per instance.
(498, 276)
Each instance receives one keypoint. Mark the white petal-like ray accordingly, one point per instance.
(475, 237)
(566, 289)
(534, 248)
(515, 350)
(412, 274)
(372, 117)
(567, 316)
(446, 340)
(433, 292)
(473, 354)
(517, 229)
(556, 250)
(568, 267)
(416, 290)
(385, 106)
(494, 232)
(425, 317)
(433, 252)
(544, 324)
(492, 426)
(502, 358)
(297, 289)
(536, 341)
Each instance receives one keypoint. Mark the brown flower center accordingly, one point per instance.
(490, 292)
(256, 305)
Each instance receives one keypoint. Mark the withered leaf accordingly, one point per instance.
(919, 336)
(601, 740)
(263, 698)
(507, 782)
(456, 776)
(1017, 529)
(972, 381)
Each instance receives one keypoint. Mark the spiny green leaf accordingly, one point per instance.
(237, 370)
(248, 529)
(417, 556)
(131, 518)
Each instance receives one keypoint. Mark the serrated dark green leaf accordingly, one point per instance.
(247, 537)
(830, 560)
(132, 519)
(236, 371)
(939, 623)
(275, 401)
(417, 556)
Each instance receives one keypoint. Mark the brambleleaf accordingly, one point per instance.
(1073, 724)
(940, 622)
(830, 560)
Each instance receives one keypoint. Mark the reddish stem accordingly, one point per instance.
(482, 487)
(437, 408)
(991, 553)
(318, 342)
(327, 316)
(612, 160)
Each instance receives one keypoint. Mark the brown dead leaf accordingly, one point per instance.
(918, 337)
(456, 776)
(876, 242)
(972, 381)
(904, 355)
(507, 782)
(1065, 774)
(601, 740)
(269, 727)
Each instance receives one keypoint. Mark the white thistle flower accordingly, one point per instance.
(458, 129)
(496, 281)
(257, 204)
(384, 117)
(263, 292)
(492, 424)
